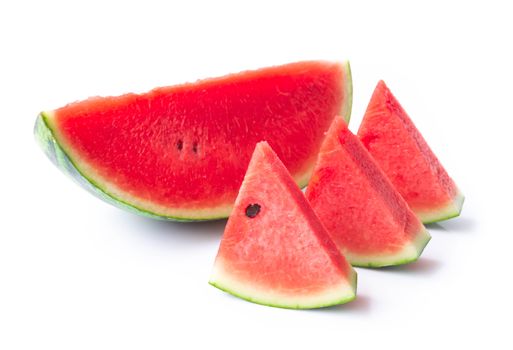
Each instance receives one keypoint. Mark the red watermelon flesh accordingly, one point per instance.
(366, 217)
(274, 250)
(181, 151)
(405, 157)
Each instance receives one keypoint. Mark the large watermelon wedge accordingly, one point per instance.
(364, 214)
(395, 143)
(274, 250)
(180, 152)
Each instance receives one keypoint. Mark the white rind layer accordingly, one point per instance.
(341, 293)
(451, 210)
(347, 107)
(408, 253)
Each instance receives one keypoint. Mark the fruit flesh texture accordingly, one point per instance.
(366, 217)
(395, 143)
(182, 151)
(282, 255)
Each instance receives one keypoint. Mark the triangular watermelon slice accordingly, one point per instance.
(180, 152)
(405, 157)
(274, 250)
(365, 216)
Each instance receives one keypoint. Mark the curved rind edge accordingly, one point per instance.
(451, 210)
(46, 140)
(410, 253)
(226, 286)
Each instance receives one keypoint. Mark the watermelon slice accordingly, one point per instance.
(405, 157)
(274, 250)
(365, 216)
(180, 152)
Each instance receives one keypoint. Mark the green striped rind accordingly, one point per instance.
(345, 112)
(333, 295)
(408, 254)
(46, 140)
(451, 210)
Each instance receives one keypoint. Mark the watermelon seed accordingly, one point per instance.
(252, 210)
(179, 145)
(195, 147)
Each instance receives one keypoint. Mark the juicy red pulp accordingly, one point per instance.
(393, 140)
(188, 146)
(360, 208)
(285, 247)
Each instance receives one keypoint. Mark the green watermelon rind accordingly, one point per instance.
(451, 210)
(285, 304)
(45, 137)
(408, 254)
(46, 140)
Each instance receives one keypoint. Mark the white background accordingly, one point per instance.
(76, 273)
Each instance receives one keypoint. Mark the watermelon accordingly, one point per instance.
(181, 152)
(405, 157)
(364, 214)
(274, 250)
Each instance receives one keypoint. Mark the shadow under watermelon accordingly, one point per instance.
(457, 225)
(362, 304)
(188, 234)
(423, 266)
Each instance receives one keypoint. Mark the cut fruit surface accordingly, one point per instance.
(274, 250)
(180, 152)
(365, 216)
(402, 153)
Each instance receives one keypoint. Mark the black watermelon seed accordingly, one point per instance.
(252, 210)
(179, 145)
(195, 147)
